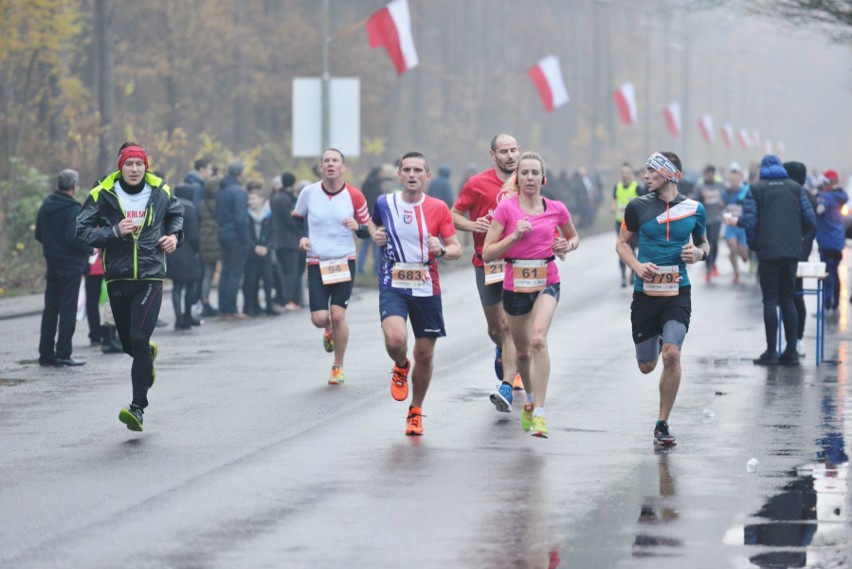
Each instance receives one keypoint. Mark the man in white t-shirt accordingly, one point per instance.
(332, 210)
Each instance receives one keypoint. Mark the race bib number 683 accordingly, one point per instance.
(408, 275)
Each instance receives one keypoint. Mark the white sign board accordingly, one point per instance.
(344, 111)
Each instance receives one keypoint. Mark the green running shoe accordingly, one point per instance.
(337, 376)
(527, 417)
(539, 429)
(132, 417)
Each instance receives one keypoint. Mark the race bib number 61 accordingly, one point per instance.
(529, 275)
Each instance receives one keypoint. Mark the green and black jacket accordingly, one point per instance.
(136, 256)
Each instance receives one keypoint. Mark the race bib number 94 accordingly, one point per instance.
(408, 275)
(667, 283)
(529, 275)
(335, 271)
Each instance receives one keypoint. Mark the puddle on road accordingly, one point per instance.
(656, 513)
(10, 382)
(806, 523)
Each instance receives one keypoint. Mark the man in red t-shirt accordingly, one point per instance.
(472, 212)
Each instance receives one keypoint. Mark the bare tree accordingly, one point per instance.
(834, 15)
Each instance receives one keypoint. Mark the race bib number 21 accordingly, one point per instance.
(495, 271)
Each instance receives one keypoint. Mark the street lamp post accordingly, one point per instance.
(326, 79)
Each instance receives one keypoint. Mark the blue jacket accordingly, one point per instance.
(831, 226)
(776, 214)
(232, 211)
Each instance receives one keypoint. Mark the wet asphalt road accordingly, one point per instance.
(249, 458)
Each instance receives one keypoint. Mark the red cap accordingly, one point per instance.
(831, 175)
(132, 152)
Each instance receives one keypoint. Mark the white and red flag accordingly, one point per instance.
(728, 134)
(767, 146)
(625, 99)
(705, 124)
(755, 138)
(782, 149)
(391, 27)
(547, 77)
(672, 114)
(744, 138)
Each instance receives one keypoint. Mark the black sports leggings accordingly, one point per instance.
(135, 308)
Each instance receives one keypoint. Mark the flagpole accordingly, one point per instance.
(326, 79)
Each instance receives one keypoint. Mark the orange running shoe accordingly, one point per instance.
(337, 376)
(518, 384)
(399, 381)
(414, 428)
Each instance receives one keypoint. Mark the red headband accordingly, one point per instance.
(132, 152)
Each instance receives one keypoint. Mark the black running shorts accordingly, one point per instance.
(322, 295)
(649, 313)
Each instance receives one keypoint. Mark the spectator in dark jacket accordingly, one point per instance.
(259, 263)
(286, 242)
(777, 216)
(798, 173)
(203, 171)
(184, 264)
(232, 217)
(209, 245)
(67, 262)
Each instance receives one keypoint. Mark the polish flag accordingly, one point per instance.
(767, 146)
(547, 77)
(706, 126)
(672, 114)
(745, 140)
(391, 27)
(728, 134)
(625, 99)
(782, 149)
(755, 138)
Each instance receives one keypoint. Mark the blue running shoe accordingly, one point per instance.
(502, 398)
(498, 362)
